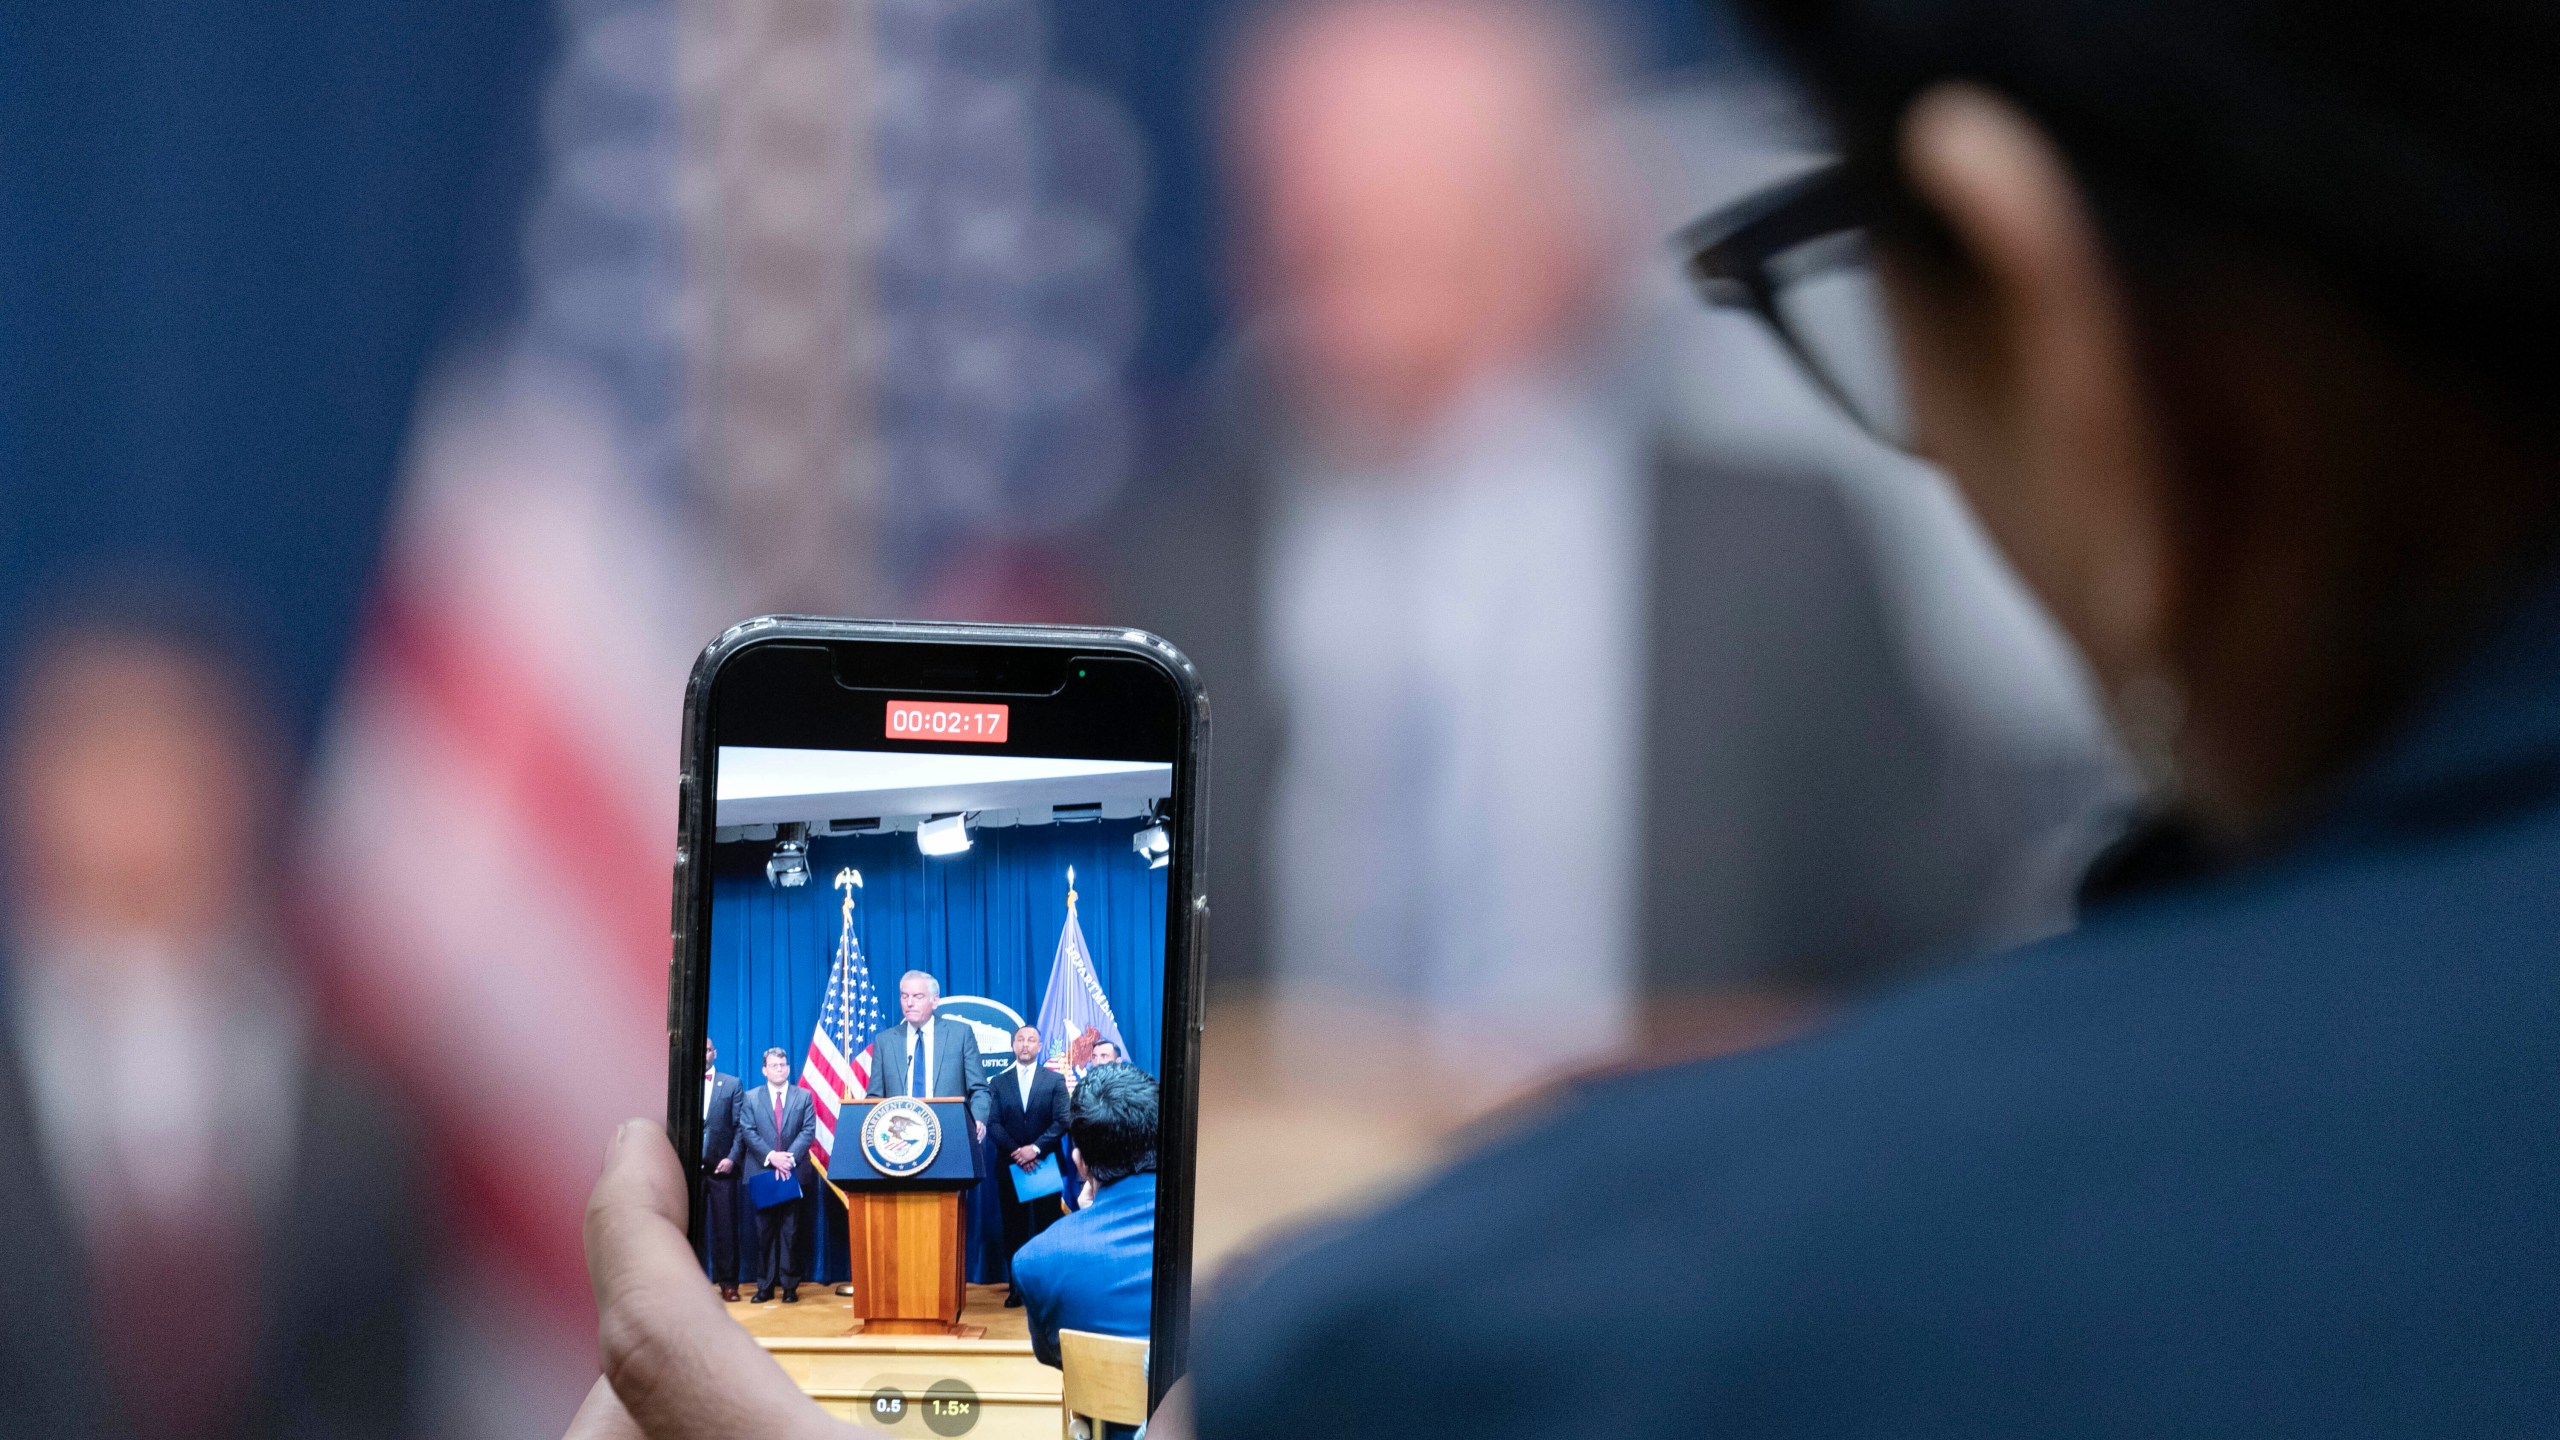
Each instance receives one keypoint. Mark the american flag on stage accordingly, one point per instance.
(835, 1071)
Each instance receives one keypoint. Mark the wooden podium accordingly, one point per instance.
(908, 1250)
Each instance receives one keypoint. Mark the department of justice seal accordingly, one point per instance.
(901, 1136)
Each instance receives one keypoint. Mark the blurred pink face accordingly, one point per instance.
(135, 793)
(1420, 204)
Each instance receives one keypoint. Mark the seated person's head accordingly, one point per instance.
(1112, 1120)
(2274, 240)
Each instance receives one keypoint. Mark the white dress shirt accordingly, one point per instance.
(774, 1102)
(191, 1116)
(1435, 841)
(1023, 1074)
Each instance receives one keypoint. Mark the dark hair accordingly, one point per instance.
(774, 1052)
(2401, 160)
(1113, 1122)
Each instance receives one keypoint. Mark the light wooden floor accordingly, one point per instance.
(822, 1314)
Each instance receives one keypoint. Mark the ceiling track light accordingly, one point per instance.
(1155, 844)
(789, 867)
(944, 835)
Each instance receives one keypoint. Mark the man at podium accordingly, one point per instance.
(926, 1056)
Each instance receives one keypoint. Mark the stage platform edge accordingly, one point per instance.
(1017, 1396)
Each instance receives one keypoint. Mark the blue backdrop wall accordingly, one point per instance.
(984, 922)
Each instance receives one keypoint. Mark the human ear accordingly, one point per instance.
(2025, 380)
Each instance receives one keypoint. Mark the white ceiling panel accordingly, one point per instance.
(765, 787)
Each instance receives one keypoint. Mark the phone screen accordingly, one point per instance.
(938, 1013)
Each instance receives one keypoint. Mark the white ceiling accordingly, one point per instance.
(766, 787)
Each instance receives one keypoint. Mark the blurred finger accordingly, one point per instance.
(1172, 1420)
(602, 1417)
(678, 1364)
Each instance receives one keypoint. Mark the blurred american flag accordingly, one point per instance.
(487, 864)
(730, 360)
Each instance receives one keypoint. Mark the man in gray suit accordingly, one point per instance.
(925, 1056)
(777, 1122)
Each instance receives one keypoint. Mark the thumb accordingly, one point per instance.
(678, 1366)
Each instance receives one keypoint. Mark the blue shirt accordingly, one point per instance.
(1093, 1270)
(2270, 1151)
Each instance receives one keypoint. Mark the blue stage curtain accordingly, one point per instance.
(984, 922)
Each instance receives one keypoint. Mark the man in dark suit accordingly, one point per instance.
(720, 1151)
(280, 1179)
(926, 1056)
(1095, 1270)
(1030, 1115)
(777, 1121)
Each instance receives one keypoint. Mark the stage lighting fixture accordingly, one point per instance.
(946, 836)
(1153, 843)
(789, 867)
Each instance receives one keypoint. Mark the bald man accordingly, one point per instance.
(927, 1056)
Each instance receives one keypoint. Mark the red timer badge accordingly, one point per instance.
(942, 720)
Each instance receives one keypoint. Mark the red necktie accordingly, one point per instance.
(777, 1119)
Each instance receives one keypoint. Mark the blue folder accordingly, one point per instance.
(766, 1189)
(1041, 1179)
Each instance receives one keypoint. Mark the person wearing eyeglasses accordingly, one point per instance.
(2236, 322)
(2237, 325)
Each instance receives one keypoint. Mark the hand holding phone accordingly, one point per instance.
(920, 868)
(676, 1367)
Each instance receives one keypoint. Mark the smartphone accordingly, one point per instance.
(934, 1013)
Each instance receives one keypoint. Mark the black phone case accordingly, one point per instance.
(1186, 929)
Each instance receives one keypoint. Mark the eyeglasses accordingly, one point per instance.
(1797, 256)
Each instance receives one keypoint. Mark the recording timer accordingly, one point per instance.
(944, 720)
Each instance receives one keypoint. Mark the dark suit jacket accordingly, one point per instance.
(1042, 1124)
(757, 1137)
(957, 1071)
(2270, 1151)
(1094, 1270)
(720, 1123)
(338, 1299)
(49, 1358)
